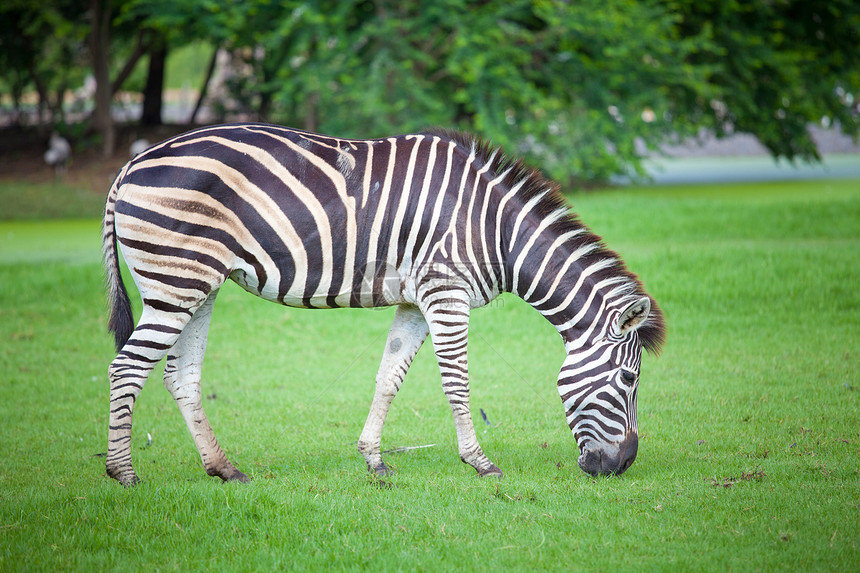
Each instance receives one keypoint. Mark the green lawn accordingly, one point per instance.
(750, 421)
(33, 201)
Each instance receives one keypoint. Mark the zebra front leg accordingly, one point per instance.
(407, 333)
(447, 314)
(182, 378)
(152, 338)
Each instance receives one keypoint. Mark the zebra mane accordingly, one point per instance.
(551, 203)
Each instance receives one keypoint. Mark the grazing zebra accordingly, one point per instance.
(435, 223)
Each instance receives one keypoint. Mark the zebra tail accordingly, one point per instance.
(121, 321)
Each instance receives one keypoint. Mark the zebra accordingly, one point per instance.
(435, 223)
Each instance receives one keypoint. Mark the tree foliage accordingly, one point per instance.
(42, 48)
(583, 89)
(566, 84)
(779, 65)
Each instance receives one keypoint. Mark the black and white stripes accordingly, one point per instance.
(435, 223)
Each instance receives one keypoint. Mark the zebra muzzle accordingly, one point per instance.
(610, 459)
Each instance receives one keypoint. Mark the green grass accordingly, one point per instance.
(34, 201)
(749, 455)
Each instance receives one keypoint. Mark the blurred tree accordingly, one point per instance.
(100, 16)
(583, 89)
(567, 84)
(153, 91)
(777, 66)
(42, 46)
(170, 25)
(53, 45)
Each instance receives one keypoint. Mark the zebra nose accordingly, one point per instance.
(612, 459)
(627, 452)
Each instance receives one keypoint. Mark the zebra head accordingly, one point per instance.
(598, 385)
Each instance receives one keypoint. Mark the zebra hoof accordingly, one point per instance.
(227, 472)
(231, 474)
(237, 476)
(382, 470)
(492, 471)
(127, 479)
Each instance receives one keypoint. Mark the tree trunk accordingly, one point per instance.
(139, 49)
(310, 123)
(203, 90)
(44, 102)
(60, 112)
(265, 106)
(154, 89)
(99, 50)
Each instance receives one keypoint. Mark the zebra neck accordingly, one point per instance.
(564, 272)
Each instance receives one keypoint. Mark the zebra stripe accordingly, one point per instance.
(435, 223)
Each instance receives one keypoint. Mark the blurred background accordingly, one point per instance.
(750, 421)
(593, 93)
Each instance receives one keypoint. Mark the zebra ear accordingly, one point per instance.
(634, 315)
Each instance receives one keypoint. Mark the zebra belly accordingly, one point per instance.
(367, 291)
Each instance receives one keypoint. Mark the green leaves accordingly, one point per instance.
(582, 89)
(780, 68)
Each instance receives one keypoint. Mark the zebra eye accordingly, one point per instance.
(628, 376)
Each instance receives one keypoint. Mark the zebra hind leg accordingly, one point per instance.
(182, 378)
(447, 313)
(408, 332)
(156, 332)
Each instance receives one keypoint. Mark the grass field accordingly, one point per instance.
(750, 421)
